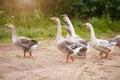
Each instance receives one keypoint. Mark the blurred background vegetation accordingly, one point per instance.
(31, 17)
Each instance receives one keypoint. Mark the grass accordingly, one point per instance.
(38, 26)
(104, 27)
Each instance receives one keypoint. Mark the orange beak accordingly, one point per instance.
(6, 25)
(64, 27)
(53, 19)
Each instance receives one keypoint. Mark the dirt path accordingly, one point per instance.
(47, 64)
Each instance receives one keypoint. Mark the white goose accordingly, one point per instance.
(104, 46)
(64, 45)
(71, 29)
(25, 44)
(78, 43)
(73, 37)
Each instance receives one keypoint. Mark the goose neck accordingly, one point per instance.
(92, 34)
(59, 33)
(71, 27)
(14, 35)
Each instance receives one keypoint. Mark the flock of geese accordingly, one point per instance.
(71, 45)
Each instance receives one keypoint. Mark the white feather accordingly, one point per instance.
(35, 46)
(75, 51)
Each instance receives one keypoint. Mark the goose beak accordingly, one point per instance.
(63, 15)
(64, 27)
(52, 19)
(5, 25)
(8, 24)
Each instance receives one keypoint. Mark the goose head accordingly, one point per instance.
(65, 17)
(87, 25)
(55, 19)
(66, 28)
(9, 25)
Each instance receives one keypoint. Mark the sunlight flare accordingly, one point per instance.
(26, 1)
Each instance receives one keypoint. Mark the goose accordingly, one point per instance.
(72, 35)
(71, 29)
(23, 43)
(117, 40)
(65, 46)
(104, 46)
(79, 43)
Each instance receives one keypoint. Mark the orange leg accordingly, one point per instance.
(100, 55)
(72, 58)
(30, 53)
(67, 58)
(107, 53)
(24, 53)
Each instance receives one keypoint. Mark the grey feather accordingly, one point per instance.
(117, 39)
(25, 43)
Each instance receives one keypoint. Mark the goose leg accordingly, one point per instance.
(100, 55)
(67, 58)
(30, 53)
(72, 58)
(24, 53)
(107, 53)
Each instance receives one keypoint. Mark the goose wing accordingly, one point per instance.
(26, 43)
(105, 43)
(65, 47)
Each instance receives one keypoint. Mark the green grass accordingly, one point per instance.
(104, 27)
(38, 26)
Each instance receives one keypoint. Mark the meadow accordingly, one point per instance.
(38, 26)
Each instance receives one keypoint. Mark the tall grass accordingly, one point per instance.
(36, 25)
(33, 25)
(104, 27)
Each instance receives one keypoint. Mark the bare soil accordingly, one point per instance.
(48, 63)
